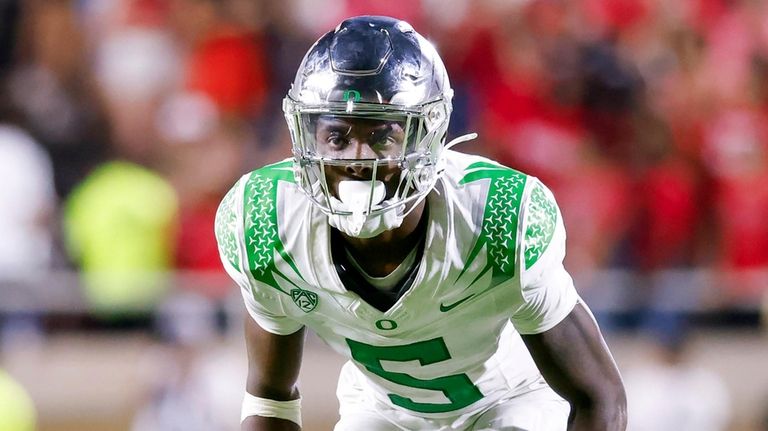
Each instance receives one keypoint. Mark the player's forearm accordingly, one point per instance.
(609, 414)
(259, 423)
(272, 401)
(575, 361)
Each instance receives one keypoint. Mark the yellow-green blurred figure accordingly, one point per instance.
(17, 413)
(119, 225)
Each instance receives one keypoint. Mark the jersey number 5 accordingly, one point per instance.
(457, 388)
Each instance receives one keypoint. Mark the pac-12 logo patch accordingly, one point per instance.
(305, 299)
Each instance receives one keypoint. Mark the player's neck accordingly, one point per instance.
(381, 254)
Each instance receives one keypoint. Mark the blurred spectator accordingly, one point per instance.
(204, 156)
(137, 65)
(667, 217)
(205, 124)
(119, 228)
(225, 61)
(670, 393)
(27, 205)
(538, 117)
(51, 86)
(285, 43)
(612, 88)
(526, 126)
(736, 154)
(594, 194)
(17, 412)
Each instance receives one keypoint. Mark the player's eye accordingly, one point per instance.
(384, 139)
(336, 140)
(385, 142)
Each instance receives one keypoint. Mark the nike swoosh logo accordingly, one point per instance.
(449, 307)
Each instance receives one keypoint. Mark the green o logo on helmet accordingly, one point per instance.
(352, 94)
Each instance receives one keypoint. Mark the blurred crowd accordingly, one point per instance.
(124, 122)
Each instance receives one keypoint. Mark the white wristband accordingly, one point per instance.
(255, 406)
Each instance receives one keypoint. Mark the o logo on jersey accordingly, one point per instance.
(386, 324)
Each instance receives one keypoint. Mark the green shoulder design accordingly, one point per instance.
(257, 192)
(542, 220)
(500, 218)
(226, 227)
(261, 233)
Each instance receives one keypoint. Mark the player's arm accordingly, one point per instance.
(271, 401)
(559, 330)
(575, 361)
(273, 369)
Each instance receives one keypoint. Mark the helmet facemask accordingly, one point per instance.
(364, 196)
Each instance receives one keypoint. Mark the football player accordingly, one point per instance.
(438, 274)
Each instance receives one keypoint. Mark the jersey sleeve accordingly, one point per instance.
(547, 290)
(262, 306)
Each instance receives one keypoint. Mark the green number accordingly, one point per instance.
(457, 388)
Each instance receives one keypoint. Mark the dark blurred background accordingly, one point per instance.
(124, 122)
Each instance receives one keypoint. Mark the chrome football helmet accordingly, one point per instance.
(375, 70)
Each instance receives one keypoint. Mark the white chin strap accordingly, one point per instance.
(356, 197)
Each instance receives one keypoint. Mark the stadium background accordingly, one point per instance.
(123, 122)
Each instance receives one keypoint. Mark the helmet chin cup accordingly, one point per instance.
(360, 225)
(360, 197)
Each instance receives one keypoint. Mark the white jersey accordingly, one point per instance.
(491, 269)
